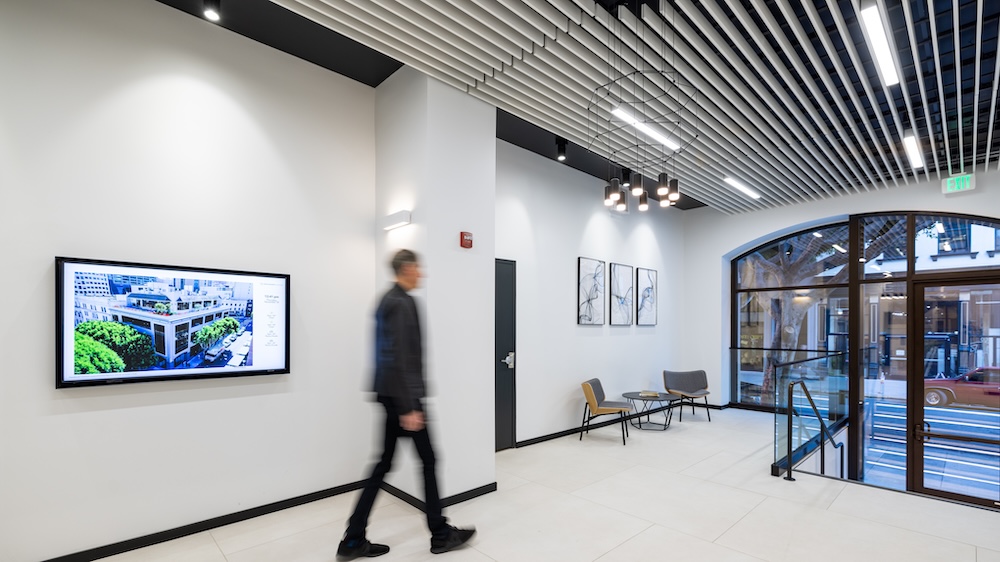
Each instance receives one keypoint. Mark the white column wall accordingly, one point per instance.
(131, 131)
(548, 215)
(715, 239)
(436, 158)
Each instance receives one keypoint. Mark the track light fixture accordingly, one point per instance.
(212, 9)
(560, 149)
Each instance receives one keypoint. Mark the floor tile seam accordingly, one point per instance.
(612, 508)
(902, 528)
(619, 545)
(281, 538)
(737, 522)
(218, 546)
(867, 519)
(487, 556)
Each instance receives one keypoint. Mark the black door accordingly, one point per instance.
(505, 354)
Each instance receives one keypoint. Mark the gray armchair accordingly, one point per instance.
(688, 385)
(595, 405)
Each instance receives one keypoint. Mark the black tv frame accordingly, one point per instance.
(65, 375)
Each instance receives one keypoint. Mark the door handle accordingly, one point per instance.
(509, 360)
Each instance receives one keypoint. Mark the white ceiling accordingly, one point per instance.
(785, 96)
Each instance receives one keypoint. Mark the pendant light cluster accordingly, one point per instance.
(617, 191)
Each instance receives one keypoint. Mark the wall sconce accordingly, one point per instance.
(396, 220)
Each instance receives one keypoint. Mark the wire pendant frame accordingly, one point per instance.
(660, 101)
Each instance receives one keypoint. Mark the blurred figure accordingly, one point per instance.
(400, 388)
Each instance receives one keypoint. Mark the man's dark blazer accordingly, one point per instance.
(399, 354)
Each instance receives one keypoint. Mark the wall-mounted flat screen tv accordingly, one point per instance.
(126, 322)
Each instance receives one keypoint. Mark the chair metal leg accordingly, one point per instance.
(707, 409)
(682, 408)
(586, 407)
(622, 417)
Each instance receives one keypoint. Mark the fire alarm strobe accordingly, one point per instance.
(465, 239)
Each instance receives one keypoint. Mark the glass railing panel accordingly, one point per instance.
(824, 375)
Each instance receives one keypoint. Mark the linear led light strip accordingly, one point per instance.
(880, 44)
(746, 190)
(913, 151)
(645, 129)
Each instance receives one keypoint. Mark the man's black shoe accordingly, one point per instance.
(455, 538)
(359, 548)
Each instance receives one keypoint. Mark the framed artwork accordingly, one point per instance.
(590, 291)
(622, 295)
(645, 290)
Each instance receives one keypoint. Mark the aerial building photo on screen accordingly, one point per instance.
(128, 323)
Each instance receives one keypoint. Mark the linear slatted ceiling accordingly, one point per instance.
(789, 99)
(723, 97)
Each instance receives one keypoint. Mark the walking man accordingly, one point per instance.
(400, 388)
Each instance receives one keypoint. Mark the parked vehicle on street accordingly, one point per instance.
(980, 387)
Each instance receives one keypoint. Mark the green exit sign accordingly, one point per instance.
(954, 184)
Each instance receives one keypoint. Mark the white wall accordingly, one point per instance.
(131, 131)
(714, 239)
(548, 215)
(436, 158)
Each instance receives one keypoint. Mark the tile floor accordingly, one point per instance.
(699, 491)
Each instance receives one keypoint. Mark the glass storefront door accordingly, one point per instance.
(883, 385)
(955, 392)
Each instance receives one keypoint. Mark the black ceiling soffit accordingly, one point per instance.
(270, 24)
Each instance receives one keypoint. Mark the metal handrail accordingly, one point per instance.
(823, 430)
(808, 359)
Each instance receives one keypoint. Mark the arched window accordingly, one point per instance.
(790, 298)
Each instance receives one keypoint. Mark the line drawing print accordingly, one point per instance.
(590, 283)
(645, 307)
(621, 295)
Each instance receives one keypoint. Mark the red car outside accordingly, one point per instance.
(980, 387)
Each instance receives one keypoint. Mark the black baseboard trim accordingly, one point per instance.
(209, 524)
(445, 502)
(615, 421)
